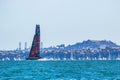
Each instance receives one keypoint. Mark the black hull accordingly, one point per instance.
(33, 58)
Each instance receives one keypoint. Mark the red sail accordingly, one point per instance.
(35, 49)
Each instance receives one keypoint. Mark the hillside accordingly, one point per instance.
(93, 44)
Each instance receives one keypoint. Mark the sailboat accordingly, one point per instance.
(35, 49)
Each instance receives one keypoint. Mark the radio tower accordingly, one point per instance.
(25, 46)
(19, 45)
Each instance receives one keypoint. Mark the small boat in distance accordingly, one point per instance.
(35, 49)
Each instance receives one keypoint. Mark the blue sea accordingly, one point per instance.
(60, 70)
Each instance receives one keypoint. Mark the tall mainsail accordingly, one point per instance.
(35, 49)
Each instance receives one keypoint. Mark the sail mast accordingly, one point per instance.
(35, 48)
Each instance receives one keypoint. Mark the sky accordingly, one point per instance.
(61, 21)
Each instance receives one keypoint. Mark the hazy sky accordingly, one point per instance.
(62, 21)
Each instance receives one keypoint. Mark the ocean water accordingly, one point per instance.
(60, 70)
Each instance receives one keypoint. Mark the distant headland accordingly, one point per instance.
(86, 50)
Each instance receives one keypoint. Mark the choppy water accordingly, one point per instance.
(59, 70)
